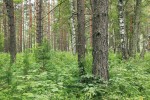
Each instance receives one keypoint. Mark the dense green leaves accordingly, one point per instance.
(60, 80)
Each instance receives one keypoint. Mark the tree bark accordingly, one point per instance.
(10, 12)
(39, 34)
(21, 28)
(122, 29)
(49, 23)
(100, 39)
(30, 24)
(73, 34)
(136, 26)
(81, 36)
(6, 33)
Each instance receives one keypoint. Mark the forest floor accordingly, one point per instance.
(56, 78)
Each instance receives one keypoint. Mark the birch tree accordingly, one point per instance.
(122, 29)
(73, 34)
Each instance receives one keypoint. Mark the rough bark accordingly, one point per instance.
(49, 22)
(6, 35)
(100, 39)
(91, 16)
(143, 50)
(81, 36)
(21, 28)
(136, 26)
(52, 33)
(131, 36)
(10, 12)
(30, 24)
(39, 35)
(91, 29)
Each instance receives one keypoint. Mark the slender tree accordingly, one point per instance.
(73, 34)
(136, 26)
(30, 24)
(81, 36)
(122, 29)
(21, 28)
(39, 28)
(100, 39)
(49, 22)
(10, 11)
(6, 35)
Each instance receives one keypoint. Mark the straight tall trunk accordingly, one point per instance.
(49, 22)
(131, 36)
(10, 12)
(6, 35)
(73, 34)
(100, 39)
(39, 35)
(21, 28)
(81, 36)
(30, 24)
(122, 29)
(91, 34)
(52, 17)
(136, 26)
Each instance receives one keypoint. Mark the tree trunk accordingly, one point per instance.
(21, 28)
(39, 35)
(30, 24)
(136, 26)
(122, 29)
(12, 47)
(100, 39)
(52, 32)
(49, 22)
(73, 34)
(143, 49)
(131, 36)
(81, 36)
(6, 35)
(91, 34)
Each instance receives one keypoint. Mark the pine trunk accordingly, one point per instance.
(6, 35)
(39, 35)
(10, 12)
(100, 39)
(81, 36)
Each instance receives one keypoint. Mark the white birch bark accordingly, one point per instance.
(73, 34)
(122, 28)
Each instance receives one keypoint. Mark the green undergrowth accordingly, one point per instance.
(56, 78)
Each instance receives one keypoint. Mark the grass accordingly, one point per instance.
(58, 78)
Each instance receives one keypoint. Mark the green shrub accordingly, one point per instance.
(60, 81)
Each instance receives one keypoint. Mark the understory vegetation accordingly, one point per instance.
(54, 76)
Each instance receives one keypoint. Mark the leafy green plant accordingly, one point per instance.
(128, 79)
(26, 64)
(42, 54)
